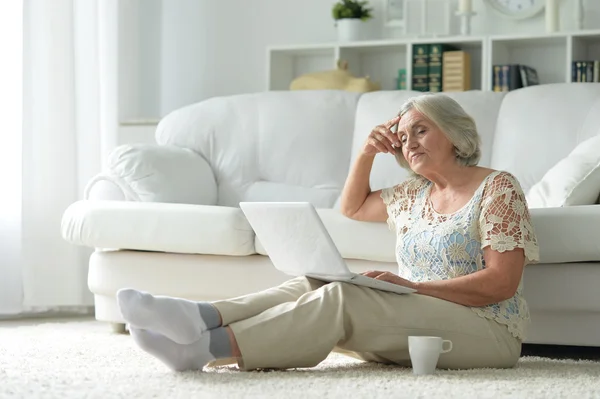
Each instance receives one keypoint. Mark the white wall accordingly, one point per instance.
(175, 52)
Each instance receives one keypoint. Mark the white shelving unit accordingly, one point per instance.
(551, 55)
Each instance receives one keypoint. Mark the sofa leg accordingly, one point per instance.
(118, 328)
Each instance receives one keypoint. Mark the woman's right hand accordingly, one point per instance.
(382, 139)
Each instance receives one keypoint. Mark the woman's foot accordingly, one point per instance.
(179, 320)
(177, 357)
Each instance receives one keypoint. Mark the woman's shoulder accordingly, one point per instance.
(411, 185)
(500, 185)
(500, 180)
(407, 189)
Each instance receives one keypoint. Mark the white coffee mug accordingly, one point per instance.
(425, 352)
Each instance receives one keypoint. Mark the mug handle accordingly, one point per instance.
(449, 346)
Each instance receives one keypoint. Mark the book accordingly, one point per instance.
(507, 77)
(401, 81)
(497, 78)
(529, 76)
(585, 71)
(456, 71)
(589, 71)
(420, 65)
(436, 66)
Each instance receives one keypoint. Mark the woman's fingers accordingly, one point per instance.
(379, 146)
(384, 142)
(392, 122)
(389, 277)
(372, 273)
(391, 140)
(383, 139)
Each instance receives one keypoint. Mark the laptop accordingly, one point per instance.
(298, 244)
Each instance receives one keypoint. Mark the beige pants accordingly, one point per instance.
(298, 324)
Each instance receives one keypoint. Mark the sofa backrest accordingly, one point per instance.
(540, 125)
(270, 146)
(299, 145)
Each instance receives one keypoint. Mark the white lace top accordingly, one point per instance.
(433, 246)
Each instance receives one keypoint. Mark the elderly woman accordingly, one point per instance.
(463, 237)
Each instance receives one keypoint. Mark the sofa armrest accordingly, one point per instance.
(158, 227)
(154, 173)
(568, 234)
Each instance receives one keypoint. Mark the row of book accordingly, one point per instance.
(440, 67)
(585, 71)
(451, 71)
(513, 76)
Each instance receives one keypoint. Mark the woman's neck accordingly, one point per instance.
(452, 177)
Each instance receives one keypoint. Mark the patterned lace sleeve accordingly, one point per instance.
(400, 198)
(390, 199)
(505, 222)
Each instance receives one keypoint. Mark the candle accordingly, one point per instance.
(551, 16)
(465, 6)
(579, 14)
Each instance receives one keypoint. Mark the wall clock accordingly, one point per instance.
(517, 9)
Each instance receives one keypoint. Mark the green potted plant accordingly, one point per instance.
(350, 17)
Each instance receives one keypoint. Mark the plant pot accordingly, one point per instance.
(350, 29)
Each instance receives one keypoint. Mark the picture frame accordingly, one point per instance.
(435, 16)
(420, 18)
(395, 14)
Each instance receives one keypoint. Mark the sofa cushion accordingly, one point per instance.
(355, 240)
(265, 138)
(540, 125)
(153, 173)
(567, 234)
(575, 180)
(159, 227)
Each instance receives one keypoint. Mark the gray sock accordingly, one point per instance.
(210, 315)
(219, 345)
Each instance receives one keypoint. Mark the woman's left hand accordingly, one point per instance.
(390, 278)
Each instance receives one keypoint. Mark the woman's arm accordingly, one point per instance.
(497, 282)
(357, 200)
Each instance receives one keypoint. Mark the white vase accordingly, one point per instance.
(350, 29)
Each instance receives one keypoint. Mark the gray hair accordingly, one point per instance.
(452, 120)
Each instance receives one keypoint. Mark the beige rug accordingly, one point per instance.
(86, 360)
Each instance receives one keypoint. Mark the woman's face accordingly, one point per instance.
(424, 146)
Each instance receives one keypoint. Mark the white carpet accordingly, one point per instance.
(86, 360)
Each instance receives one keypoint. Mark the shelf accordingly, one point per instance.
(550, 54)
(531, 41)
(311, 50)
(466, 41)
(379, 62)
(536, 52)
(476, 47)
(375, 48)
(285, 64)
(586, 47)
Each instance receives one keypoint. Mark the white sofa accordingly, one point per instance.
(165, 218)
